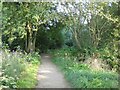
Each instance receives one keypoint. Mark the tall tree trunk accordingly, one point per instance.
(29, 47)
(34, 39)
(30, 38)
(28, 44)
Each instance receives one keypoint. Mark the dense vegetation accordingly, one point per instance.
(81, 75)
(18, 69)
(82, 38)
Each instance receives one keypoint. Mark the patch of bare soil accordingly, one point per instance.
(97, 64)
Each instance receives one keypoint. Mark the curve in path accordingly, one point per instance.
(49, 76)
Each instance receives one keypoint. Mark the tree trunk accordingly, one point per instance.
(30, 38)
(29, 43)
(34, 39)
(30, 48)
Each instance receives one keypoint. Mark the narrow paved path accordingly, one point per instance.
(49, 76)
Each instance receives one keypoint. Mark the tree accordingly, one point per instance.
(23, 19)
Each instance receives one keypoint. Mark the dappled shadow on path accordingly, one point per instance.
(49, 76)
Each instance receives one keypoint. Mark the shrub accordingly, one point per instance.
(14, 65)
(80, 75)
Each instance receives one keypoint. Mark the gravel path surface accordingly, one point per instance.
(49, 76)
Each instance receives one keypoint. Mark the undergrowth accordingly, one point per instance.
(81, 75)
(18, 70)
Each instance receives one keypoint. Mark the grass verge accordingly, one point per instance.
(28, 78)
(80, 75)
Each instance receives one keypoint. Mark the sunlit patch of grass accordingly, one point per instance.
(29, 77)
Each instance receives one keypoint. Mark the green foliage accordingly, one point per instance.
(29, 76)
(88, 29)
(91, 79)
(14, 67)
(8, 82)
(50, 38)
(111, 58)
(95, 26)
(80, 75)
(67, 35)
(11, 64)
(21, 21)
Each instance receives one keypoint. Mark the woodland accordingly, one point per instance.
(82, 38)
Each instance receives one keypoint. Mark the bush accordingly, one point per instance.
(110, 57)
(80, 75)
(14, 66)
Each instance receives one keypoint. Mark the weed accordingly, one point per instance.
(81, 75)
(18, 69)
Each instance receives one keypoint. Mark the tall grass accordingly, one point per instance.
(81, 75)
(14, 67)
